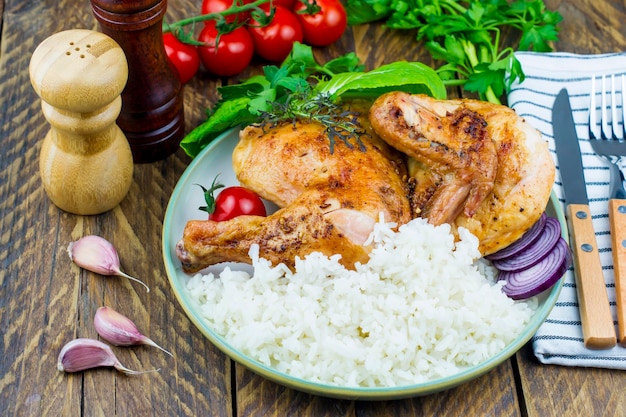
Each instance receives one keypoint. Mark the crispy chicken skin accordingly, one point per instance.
(329, 202)
(452, 140)
(473, 164)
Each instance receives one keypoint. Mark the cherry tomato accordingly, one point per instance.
(231, 202)
(275, 41)
(216, 6)
(324, 27)
(233, 53)
(184, 57)
(237, 201)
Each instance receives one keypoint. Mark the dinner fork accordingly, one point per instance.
(610, 144)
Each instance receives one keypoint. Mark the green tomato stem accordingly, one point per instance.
(172, 27)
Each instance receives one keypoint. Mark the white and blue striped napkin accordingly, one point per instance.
(559, 340)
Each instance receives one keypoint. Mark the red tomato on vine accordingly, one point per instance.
(324, 27)
(274, 41)
(233, 53)
(184, 57)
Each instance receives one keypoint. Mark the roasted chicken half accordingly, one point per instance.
(473, 164)
(329, 201)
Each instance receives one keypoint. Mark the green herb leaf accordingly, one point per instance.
(229, 114)
(486, 77)
(536, 38)
(452, 50)
(262, 102)
(253, 85)
(412, 77)
(365, 11)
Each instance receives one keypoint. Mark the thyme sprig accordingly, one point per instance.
(341, 123)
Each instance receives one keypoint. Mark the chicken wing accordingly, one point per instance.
(474, 164)
(329, 201)
(451, 140)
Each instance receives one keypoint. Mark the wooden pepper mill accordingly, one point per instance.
(152, 114)
(86, 164)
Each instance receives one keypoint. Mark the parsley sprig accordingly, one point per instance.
(466, 35)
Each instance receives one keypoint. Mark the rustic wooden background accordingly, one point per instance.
(46, 301)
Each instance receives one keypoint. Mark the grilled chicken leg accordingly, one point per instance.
(330, 201)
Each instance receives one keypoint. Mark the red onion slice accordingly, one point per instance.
(527, 239)
(538, 278)
(533, 254)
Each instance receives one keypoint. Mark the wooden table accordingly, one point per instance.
(45, 300)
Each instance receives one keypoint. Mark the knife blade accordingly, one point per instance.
(593, 302)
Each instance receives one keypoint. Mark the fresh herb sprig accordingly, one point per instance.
(341, 123)
(466, 35)
(303, 88)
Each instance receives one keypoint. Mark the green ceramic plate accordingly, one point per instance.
(183, 206)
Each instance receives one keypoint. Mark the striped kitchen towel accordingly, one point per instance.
(559, 340)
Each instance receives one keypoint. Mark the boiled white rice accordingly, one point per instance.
(422, 308)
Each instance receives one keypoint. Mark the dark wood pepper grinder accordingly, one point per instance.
(152, 115)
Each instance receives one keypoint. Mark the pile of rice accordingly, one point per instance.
(422, 308)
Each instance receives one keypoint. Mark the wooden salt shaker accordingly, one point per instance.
(86, 163)
(152, 114)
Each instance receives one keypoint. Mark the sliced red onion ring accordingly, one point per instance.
(527, 239)
(538, 278)
(533, 254)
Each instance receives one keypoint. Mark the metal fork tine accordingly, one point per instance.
(593, 121)
(617, 132)
(624, 106)
(613, 107)
(603, 113)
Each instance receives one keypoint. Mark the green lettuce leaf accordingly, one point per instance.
(411, 77)
(229, 114)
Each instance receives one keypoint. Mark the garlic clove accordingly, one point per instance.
(98, 255)
(82, 354)
(120, 330)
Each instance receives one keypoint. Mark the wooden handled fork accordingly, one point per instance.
(610, 144)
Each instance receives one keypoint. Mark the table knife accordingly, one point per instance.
(593, 302)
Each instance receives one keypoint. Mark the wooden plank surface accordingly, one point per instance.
(46, 301)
